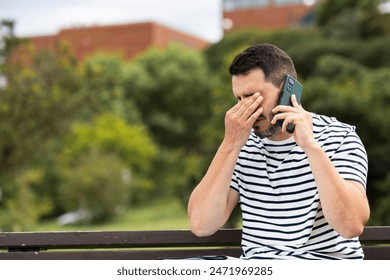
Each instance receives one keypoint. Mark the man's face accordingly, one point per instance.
(245, 86)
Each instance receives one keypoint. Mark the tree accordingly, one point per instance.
(103, 78)
(352, 18)
(40, 100)
(37, 103)
(99, 184)
(106, 163)
(359, 96)
(171, 88)
(22, 207)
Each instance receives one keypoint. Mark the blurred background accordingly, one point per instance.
(110, 112)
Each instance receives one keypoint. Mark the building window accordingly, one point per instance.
(287, 2)
(229, 5)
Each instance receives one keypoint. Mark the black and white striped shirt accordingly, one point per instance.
(282, 214)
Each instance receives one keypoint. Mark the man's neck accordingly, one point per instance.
(280, 136)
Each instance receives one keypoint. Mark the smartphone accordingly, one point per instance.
(290, 86)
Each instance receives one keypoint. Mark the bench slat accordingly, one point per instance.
(371, 253)
(117, 239)
(376, 234)
(122, 254)
(376, 252)
(134, 239)
(165, 244)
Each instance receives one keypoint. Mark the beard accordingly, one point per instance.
(270, 130)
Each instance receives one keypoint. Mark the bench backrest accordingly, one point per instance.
(148, 244)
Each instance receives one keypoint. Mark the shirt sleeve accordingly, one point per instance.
(234, 182)
(350, 159)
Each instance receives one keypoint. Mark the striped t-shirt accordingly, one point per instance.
(281, 209)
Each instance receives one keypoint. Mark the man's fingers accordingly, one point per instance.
(294, 101)
(250, 106)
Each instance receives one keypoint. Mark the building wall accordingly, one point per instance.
(268, 17)
(128, 40)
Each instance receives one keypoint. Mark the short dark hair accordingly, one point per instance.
(274, 62)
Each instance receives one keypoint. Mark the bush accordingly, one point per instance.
(99, 184)
(357, 95)
(373, 53)
(22, 208)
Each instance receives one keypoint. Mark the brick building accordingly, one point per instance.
(128, 39)
(132, 39)
(263, 14)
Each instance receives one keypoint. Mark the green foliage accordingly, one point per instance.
(103, 77)
(171, 88)
(113, 148)
(23, 208)
(373, 53)
(97, 183)
(357, 95)
(39, 102)
(177, 172)
(351, 18)
(111, 134)
(339, 69)
(36, 107)
(305, 56)
(161, 213)
(382, 208)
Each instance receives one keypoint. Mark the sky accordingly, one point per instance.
(201, 18)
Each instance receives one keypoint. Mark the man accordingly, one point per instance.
(302, 195)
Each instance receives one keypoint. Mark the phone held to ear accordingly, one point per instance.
(290, 86)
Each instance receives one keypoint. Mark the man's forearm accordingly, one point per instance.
(208, 205)
(344, 203)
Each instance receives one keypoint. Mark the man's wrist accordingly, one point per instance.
(312, 148)
(230, 146)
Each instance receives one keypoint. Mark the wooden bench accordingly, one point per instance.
(146, 245)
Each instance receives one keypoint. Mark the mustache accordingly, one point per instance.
(261, 117)
(264, 117)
